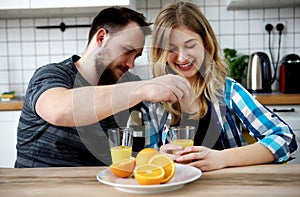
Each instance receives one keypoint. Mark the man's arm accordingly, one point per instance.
(87, 105)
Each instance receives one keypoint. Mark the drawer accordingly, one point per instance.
(289, 113)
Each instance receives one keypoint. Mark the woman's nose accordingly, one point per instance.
(181, 56)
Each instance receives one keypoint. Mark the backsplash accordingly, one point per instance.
(23, 48)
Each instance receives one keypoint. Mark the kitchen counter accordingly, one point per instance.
(277, 98)
(259, 180)
(13, 104)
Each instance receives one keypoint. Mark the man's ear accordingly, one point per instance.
(100, 36)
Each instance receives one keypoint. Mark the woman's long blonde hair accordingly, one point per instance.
(212, 74)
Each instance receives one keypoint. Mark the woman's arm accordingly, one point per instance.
(207, 159)
(268, 129)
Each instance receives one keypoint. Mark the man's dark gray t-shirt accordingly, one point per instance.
(41, 144)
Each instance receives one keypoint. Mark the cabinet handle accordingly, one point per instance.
(284, 110)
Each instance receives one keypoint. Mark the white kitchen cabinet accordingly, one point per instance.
(75, 3)
(8, 137)
(291, 115)
(36, 4)
(57, 8)
(15, 4)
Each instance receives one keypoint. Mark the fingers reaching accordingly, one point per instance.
(168, 88)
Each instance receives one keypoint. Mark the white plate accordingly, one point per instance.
(184, 174)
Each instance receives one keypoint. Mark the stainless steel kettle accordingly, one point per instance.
(259, 76)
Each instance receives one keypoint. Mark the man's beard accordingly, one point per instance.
(107, 77)
(104, 71)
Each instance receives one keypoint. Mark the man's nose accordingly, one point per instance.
(130, 63)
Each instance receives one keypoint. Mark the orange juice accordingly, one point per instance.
(182, 142)
(120, 152)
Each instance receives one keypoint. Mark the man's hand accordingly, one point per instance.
(167, 88)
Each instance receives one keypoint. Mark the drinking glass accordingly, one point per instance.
(182, 136)
(120, 141)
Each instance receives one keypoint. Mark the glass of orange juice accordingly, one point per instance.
(182, 136)
(120, 141)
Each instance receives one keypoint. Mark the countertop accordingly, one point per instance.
(275, 98)
(12, 104)
(259, 180)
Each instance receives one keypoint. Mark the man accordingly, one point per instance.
(69, 106)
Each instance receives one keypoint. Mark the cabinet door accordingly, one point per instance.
(8, 137)
(291, 115)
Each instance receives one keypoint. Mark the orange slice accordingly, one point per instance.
(145, 155)
(123, 168)
(149, 174)
(166, 163)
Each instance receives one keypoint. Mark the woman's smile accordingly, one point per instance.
(185, 67)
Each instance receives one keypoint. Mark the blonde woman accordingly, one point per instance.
(183, 43)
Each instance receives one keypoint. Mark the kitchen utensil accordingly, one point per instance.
(259, 76)
(289, 74)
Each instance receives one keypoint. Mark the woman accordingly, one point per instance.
(184, 43)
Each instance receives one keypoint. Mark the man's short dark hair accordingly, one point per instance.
(114, 18)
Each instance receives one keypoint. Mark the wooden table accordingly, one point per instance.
(260, 180)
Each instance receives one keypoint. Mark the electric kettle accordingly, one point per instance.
(289, 74)
(259, 76)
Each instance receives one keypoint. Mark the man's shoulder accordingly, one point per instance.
(65, 64)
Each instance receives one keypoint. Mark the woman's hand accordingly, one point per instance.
(198, 156)
(169, 149)
(201, 157)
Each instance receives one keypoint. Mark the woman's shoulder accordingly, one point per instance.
(235, 91)
(229, 87)
(230, 82)
(233, 86)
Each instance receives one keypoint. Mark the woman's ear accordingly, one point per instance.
(101, 36)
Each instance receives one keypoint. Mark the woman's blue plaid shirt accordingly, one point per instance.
(265, 126)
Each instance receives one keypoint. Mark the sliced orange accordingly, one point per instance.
(166, 163)
(123, 168)
(145, 155)
(149, 174)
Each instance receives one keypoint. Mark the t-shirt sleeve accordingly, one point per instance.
(45, 78)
